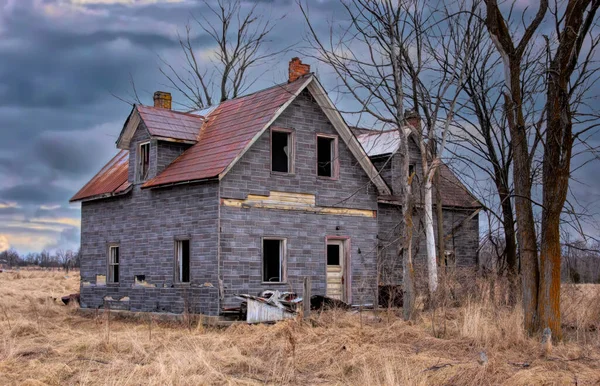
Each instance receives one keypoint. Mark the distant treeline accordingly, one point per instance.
(45, 259)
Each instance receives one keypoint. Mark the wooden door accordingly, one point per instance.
(335, 269)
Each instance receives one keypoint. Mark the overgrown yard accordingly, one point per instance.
(44, 342)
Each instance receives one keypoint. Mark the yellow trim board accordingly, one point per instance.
(294, 202)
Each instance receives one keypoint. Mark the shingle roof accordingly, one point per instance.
(170, 124)
(227, 131)
(454, 193)
(110, 180)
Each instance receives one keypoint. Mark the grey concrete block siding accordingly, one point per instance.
(226, 241)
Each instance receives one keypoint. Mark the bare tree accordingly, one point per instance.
(241, 37)
(391, 57)
(512, 56)
(572, 28)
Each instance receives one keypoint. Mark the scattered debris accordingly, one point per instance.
(483, 358)
(269, 306)
(272, 305)
(320, 302)
(68, 298)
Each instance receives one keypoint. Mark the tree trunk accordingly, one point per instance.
(510, 249)
(525, 221)
(408, 271)
(430, 236)
(439, 216)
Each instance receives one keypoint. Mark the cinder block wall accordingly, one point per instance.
(145, 224)
(242, 229)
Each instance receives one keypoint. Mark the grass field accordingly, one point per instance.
(44, 342)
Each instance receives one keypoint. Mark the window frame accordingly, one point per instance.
(176, 279)
(292, 150)
(139, 161)
(109, 272)
(335, 167)
(283, 248)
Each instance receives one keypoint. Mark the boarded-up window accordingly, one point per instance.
(326, 156)
(143, 161)
(273, 260)
(282, 152)
(113, 264)
(182, 261)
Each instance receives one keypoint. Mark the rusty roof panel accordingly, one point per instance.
(226, 132)
(111, 180)
(170, 124)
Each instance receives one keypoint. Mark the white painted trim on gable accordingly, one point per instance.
(257, 136)
(128, 131)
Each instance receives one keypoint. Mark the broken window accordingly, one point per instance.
(274, 260)
(326, 156)
(143, 161)
(182, 261)
(113, 264)
(282, 155)
(411, 169)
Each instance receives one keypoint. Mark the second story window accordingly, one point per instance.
(282, 151)
(143, 161)
(327, 157)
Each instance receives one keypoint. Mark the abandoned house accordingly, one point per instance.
(253, 194)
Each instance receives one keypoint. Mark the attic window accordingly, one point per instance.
(143, 161)
(182, 261)
(327, 162)
(282, 151)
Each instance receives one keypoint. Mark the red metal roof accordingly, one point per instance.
(171, 124)
(109, 181)
(226, 132)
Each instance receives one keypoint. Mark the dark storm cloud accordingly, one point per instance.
(35, 193)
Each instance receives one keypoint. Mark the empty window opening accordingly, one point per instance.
(333, 254)
(411, 169)
(113, 264)
(144, 161)
(273, 260)
(182, 261)
(281, 152)
(326, 156)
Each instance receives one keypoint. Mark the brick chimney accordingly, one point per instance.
(297, 69)
(412, 118)
(162, 100)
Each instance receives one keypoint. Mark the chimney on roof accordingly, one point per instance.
(162, 100)
(412, 118)
(297, 69)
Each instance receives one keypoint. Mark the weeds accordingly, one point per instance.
(43, 341)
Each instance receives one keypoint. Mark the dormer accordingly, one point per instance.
(155, 136)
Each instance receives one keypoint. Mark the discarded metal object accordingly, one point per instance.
(68, 298)
(269, 306)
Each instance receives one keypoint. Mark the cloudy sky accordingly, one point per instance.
(64, 64)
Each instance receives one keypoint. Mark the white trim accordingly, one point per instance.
(257, 136)
(124, 139)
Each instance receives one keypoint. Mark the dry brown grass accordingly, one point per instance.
(43, 342)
